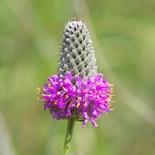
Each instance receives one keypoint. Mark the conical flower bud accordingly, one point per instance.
(77, 52)
(77, 91)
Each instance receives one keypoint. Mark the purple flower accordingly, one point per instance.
(85, 100)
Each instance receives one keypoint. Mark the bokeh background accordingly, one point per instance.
(123, 33)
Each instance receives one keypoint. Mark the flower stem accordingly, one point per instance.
(68, 137)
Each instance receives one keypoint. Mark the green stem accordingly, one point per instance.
(68, 137)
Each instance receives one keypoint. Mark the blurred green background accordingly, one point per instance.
(124, 37)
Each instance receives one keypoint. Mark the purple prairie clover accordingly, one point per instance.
(77, 91)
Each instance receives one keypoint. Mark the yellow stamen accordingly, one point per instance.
(110, 105)
(111, 96)
(38, 89)
(64, 88)
(108, 99)
(58, 93)
(55, 102)
(78, 105)
(38, 98)
(42, 95)
(84, 104)
(113, 102)
(66, 95)
(111, 85)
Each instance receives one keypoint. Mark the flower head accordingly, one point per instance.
(85, 101)
(77, 91)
